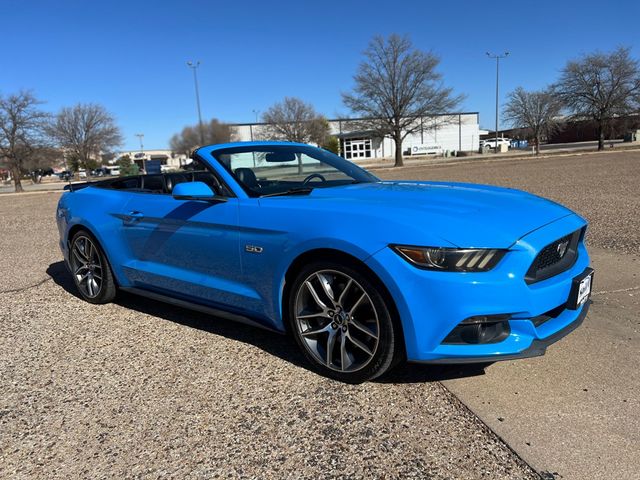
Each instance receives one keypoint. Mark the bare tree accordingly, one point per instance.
(21, 132)
(600, 87)
(85, 131)
(535, 111)
(189, 138)
(397, 85)
(293, 120)
(42, 159)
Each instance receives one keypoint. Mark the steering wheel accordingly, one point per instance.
(311, 177)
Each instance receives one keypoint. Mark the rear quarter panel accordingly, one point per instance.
(99, 211)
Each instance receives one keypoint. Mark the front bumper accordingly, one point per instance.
(537, 348)
(431, 304)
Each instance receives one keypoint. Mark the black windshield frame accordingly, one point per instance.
(356, 173)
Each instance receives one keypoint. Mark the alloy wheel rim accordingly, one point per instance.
(86, 266)
(337, 321)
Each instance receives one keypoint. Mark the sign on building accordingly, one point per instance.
(426, 149)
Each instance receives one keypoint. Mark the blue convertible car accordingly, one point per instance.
(362, 272)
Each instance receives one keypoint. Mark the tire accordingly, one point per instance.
(90, 269)
(342, 322)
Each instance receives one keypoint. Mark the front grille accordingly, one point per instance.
(555, 258)
(550, 255)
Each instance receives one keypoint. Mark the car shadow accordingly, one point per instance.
(425, 373)
(275, 344)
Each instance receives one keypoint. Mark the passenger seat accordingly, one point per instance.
(173, 179)
(247, 177)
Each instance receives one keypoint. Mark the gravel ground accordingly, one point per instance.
(138, 389)
(28, 238)
(603, 187)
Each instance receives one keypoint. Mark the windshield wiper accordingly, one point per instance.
(291, 191)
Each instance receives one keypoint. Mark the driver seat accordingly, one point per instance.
(247, 177)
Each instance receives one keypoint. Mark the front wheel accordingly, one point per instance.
(90, 269)
(341, 321)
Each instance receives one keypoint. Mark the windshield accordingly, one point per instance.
(268, 170)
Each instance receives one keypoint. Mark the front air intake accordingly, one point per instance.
(555, 258)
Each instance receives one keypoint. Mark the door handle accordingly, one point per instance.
(132, 218)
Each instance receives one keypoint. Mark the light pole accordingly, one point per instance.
(255, 112)
(497, 57)
(144, 162)
(194, 66)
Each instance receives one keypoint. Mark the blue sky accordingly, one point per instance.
(130, 56)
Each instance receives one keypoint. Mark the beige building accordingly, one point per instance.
(168, 159)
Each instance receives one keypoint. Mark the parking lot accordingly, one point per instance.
(140, 389)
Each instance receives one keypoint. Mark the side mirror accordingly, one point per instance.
(197, 191)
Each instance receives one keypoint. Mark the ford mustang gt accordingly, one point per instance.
(362, 272)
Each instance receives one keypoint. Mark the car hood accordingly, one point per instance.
(465, 215)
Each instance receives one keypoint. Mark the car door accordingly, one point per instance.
(187, 249)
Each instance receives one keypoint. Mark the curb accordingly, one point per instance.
(31, 192)
(463, 406)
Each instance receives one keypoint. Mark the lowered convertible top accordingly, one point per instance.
(72, 187)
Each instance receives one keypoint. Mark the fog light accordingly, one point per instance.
(480, 329)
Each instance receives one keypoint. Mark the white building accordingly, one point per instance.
(434, 135)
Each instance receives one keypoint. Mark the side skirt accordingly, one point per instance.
(199, 308)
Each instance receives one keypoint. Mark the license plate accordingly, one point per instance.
(584, 290)
(581, 289)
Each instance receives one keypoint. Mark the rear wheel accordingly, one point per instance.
(90, 269)
(342, 323)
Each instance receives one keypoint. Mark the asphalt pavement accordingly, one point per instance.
(575, 412)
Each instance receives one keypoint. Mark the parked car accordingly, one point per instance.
(491, 142)
(100, 172)
(363, 273)
(37, 174)
(65, 175)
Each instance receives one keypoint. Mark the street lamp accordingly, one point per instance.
(497, 57)
(144, 159)
(194, 66)
(255, 112)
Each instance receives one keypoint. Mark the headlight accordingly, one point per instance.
(451, 259)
